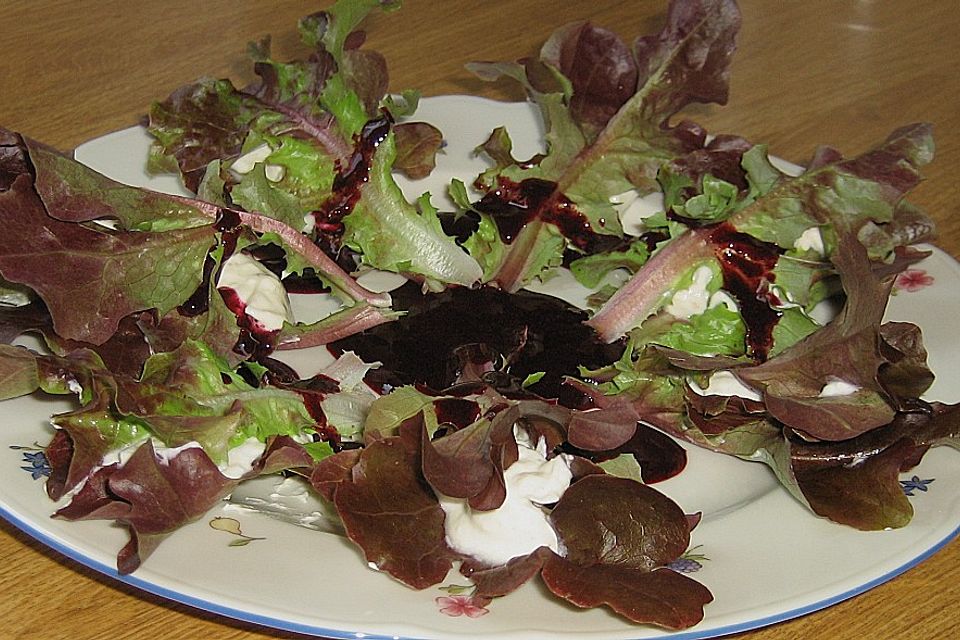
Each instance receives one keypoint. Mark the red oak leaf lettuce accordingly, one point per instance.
(145, 280)
(661, 597)
(386, 496)
(389, 511)
(606, 110)
(313, 145)
(108, 275)
(155, 497)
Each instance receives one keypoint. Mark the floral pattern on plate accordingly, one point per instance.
(232, 526)
(34, 456)
(912, 280)
(915, 484)
(690, 561)
(456, 606)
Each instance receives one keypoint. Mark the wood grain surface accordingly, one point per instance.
(838, 72)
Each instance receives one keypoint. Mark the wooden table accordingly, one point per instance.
(819, 71)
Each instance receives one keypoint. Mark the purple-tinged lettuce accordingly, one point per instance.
(606, 109)
(393, 235)
(91, 278)
(153, 452)
(839, 453)
(106, 257)
(857, 482)
(660, 597)
(629, 577)
(837, 196)
(154, 497)
(386, 496)
(389, 511)
(313, 99)
(18, 372)
(313, 144)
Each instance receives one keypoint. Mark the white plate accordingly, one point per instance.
(768, 558)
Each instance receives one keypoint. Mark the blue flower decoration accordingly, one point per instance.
(914, 484)
(689, 562)
(39, 467)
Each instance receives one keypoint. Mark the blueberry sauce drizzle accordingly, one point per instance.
(513, 205)
(228, 226)
(345, 191)
(747, 265)
(525, 333)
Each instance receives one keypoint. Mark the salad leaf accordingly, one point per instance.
(386, 503)
(390, 489)
(905, 373)
(590, 270)
(650, 287)
(493, 582)
(155, 496)
(18, 372)
(842, 194)
(154, 279)
(868, 495)
(72, 192)
(311, 147)
(584, 522)
(846, 349)
(599, 508)
(393, 236)
(98, 264)
(662, 597)
(193, 381)
(606, 111)
(417, 146)
(469, 463)
(717, 331)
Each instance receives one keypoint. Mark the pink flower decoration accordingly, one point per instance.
(454, 606)
(913, 280)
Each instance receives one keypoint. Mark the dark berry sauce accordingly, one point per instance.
(345, 192)
(255, 342)
(227, 225)
(458, 412)
(747, 265)
(521, 333)
(313, 391)
(513, 205)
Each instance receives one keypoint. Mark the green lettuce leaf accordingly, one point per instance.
(394, 236)
(606, 111)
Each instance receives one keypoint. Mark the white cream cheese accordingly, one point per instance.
(724, 383)
(693, 300)
(240, 459)
(245, 163)
(120, 456)
(633, 209)
(697, 298)
(74, 386)
(520, 525)
(166, 454)
(309, 224)
(724, 298)
(835, 387)
(810, 240)
(260, 290)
